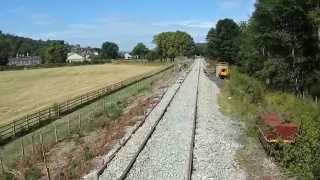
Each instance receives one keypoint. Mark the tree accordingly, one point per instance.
(172, 44)
(140, 50)
(283, 39)
(152, 55)
(109, 50)
(201, 49)
(4, 52)
(56, 52)
(22, 45)
(223, 41)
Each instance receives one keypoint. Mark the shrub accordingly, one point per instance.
(243, 86)
(33, 173)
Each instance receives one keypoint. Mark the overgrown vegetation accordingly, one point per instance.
(277, 52)
(249, 98)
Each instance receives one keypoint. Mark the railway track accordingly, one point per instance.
(124, 174)
(191, 152)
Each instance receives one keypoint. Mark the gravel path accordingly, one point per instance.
(116, 167)
(166, 154)
(216, 137)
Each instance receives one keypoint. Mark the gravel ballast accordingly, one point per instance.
(216, 137)
(166, 154)
(120, 162)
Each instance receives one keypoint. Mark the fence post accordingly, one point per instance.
(58, 109)
(68, 105)
(316, 99)
(55, 133)
(79, 122)
(22, 148)
(69, 126)
(44, 157)
(14, 128)
(49, 112)
(27, 120)
(39, 118)
(1, 161)
(32, 142)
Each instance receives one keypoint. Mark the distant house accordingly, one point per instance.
(24, 61)
(128, 56)
(75, 57)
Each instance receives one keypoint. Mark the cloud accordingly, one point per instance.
(187, 23)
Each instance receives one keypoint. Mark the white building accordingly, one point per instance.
(74, 57)
(127, 56)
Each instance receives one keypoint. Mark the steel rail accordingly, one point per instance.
(194, 127)
(142, 146)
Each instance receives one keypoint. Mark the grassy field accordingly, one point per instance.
(22, 92)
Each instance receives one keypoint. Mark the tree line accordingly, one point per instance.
(279, 44)
(168, 46)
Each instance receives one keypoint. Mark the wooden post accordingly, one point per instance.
(22, 148)
(39, 117)
(32, 142)
(2, 165)
(49, 112)
(27, 120)
(1, 161)
(14, 128)
(69, 126)
(44, 157)
(58, 110)
(303, 95)
(79, 122)
(55, 133)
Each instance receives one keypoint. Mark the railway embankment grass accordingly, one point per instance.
(246, 98)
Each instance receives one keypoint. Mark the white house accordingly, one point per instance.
(127, 56)
(74, 57)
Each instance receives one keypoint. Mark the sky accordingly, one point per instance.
(125, 22)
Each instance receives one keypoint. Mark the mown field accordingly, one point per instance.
(25, 91)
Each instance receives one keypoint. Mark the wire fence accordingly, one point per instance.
(46, 115)
(85, 119)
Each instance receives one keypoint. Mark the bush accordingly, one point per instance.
(243, 86)
(33, 173)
